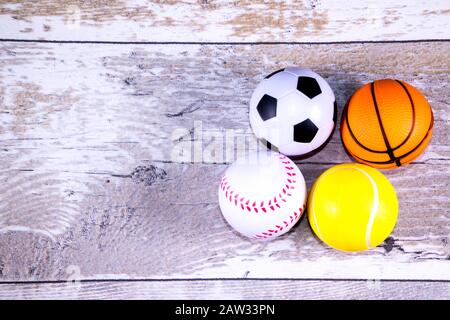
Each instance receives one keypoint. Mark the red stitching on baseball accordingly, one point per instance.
(270, 232)
(234, 197)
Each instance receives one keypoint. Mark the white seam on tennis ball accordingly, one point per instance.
(374, 210)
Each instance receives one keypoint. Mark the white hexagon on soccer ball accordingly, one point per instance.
(294, 109)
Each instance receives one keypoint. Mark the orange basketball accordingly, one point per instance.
(386, 124)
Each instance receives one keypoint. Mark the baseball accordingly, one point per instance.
(262, 195)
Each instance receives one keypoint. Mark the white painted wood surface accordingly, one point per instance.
(230, 289)
(90, 188)
(225, 21)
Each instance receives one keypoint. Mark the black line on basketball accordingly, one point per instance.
(423, 139)
(413, 116)
(397, 158)
(374, 162)
(386, 141)
(416, 147)
(353, 135)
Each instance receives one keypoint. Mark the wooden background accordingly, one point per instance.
(96, 97)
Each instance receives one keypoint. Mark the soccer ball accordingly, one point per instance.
(293, 109)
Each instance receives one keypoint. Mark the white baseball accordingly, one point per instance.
(262, 195)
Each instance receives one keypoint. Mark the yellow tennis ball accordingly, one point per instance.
(352, 207)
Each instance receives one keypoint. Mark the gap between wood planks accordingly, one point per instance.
(221, 279)
(223, 43)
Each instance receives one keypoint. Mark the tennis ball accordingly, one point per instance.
(352, 207)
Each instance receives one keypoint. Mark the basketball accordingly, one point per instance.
(352, 207)
(386, 124)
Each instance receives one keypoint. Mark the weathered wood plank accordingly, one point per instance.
(221, 20)
(230, 289)
(172, 227)
(89, 181)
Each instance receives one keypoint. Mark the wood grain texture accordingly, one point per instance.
(221, 20)
(230, 289)
(90, 181)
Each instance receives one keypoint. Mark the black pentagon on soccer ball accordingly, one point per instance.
(308, 86)
(267, 107)
(305, 131)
